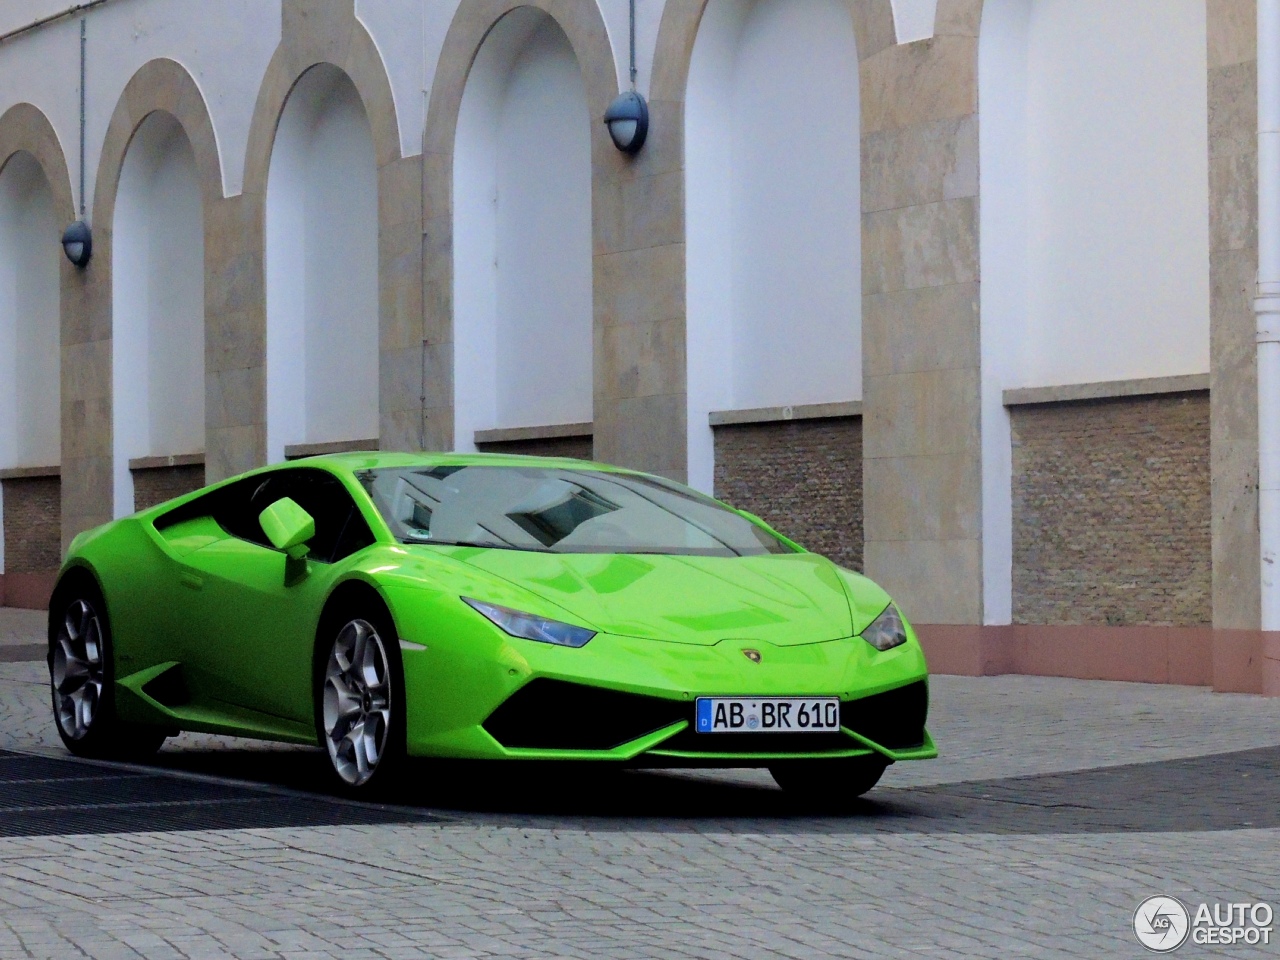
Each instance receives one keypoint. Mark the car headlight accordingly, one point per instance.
(886, 631)
(528, 627)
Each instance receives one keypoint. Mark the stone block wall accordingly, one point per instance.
(803, 477)
(1111, 512)
(155, 485)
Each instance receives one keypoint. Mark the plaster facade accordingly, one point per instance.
(923, 479)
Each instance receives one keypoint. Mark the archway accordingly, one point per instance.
(772, 141)
(157, 306)
(522, 233)
(322, 268)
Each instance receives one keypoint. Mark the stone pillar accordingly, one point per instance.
(640, 405)
(400, 342)
(1233, 264)
(921, 377)
(235, 352)
(87, 482)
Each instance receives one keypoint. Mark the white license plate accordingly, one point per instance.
(768, 715)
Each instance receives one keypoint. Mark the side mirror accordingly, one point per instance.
(288, 527)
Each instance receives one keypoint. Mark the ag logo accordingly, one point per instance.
(1161, 924)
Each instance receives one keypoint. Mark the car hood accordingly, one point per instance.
(783, 599)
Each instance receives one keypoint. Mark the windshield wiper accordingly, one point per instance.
(476, 543)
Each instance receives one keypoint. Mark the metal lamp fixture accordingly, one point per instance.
(628, 116)
(77, 243)
(628, 121)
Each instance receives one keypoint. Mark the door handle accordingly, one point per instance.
(192, 581)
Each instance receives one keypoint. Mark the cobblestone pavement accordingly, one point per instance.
(1057, 806)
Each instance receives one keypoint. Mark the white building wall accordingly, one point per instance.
(29, 317)
(30, 393)
(226, 49)
(522, 214)
(913, 19)
(1095, 227)
(774, 217)
(157, 302)
(322, 268)
(1117, 191)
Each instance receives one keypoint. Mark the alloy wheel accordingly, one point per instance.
(357, 702)
(79, 669)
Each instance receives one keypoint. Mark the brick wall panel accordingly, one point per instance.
(803, 477)
(32, 525)
(580, 448)
(1111, 512)
(158, 484)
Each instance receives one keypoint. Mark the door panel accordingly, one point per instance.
(246, 637)
(253, 636)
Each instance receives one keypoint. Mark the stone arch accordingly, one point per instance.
(30, 150)
(583, 25)
(161, 93)
(24, 128)
(325, 36)
(321, 33)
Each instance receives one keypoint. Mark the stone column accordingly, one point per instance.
(921, 376)
(1233, 265)
(87, 481)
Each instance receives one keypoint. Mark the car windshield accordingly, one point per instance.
(553, 510)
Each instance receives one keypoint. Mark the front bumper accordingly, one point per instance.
(547, 715)
(462, 690)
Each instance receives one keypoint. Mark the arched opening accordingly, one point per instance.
(1095, 267)
(522, 233)
(773, 208)
(30, 391)
(322, 268)
(157, 313)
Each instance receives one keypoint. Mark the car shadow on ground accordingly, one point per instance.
(1220, 792)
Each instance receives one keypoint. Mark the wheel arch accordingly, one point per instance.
(77, 570)
(351, 593)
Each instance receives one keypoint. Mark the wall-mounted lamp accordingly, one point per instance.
(77, 243)
(628, 121)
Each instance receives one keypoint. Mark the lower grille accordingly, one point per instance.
(555, 715)
(894, 719)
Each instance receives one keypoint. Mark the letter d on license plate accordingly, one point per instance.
(768, 715)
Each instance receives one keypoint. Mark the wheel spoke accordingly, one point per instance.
(357, 701)
(78, 668)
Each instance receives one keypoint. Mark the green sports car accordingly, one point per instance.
(389, 605)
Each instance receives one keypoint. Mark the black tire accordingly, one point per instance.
(829, 783)
(375, 691)
(82, 677)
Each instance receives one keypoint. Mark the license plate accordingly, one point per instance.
(768, 715)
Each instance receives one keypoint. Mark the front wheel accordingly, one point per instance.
(833, 782)
(361, 704)
(81, 674)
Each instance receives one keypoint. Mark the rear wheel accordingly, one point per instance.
(360, 708)
(82, 678)
(829, 782)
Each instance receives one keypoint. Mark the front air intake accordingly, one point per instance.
(556, 715)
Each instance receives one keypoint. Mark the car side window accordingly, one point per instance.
(340, 528)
